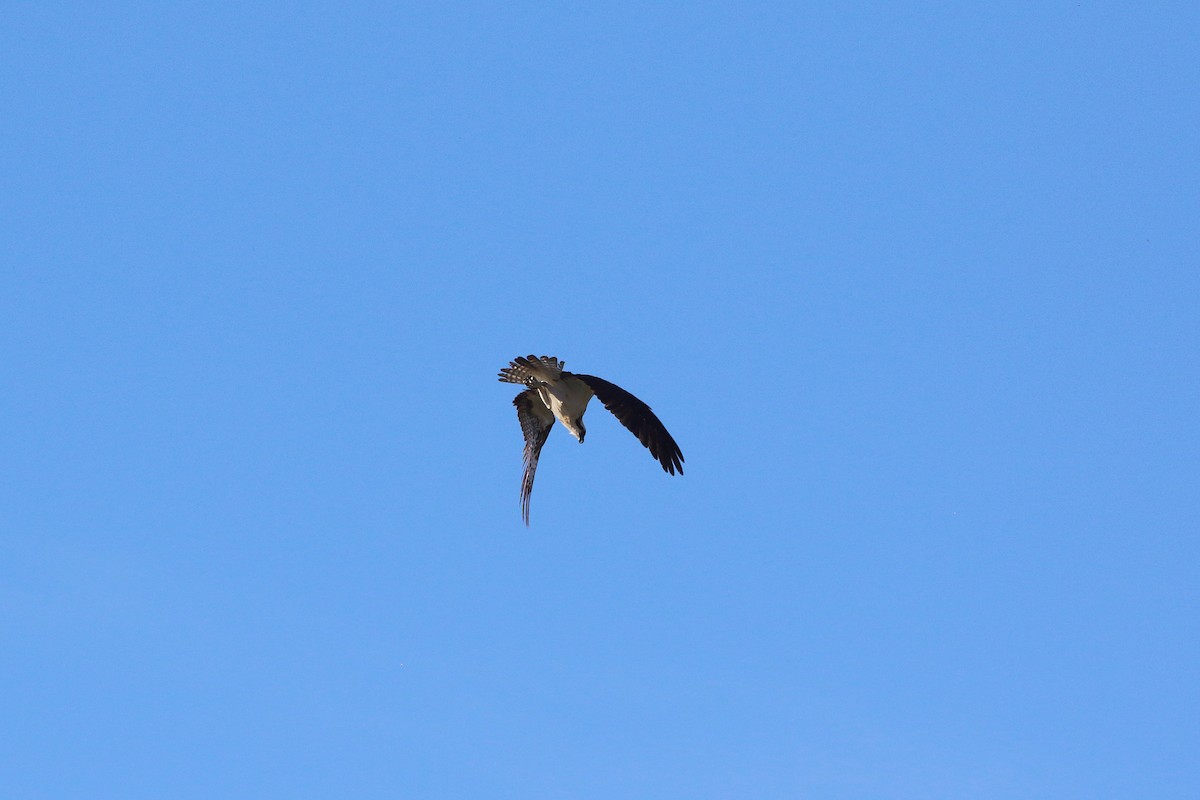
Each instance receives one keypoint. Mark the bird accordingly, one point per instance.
(553, 393)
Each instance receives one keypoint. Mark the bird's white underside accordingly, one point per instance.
(567, 398)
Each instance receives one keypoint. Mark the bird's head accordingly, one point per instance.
(576, 428)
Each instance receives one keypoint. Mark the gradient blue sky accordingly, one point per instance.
(915, 287)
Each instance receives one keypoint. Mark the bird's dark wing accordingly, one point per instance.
(536, 422)
(640, 420)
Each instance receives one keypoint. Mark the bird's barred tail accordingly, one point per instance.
(527, 369)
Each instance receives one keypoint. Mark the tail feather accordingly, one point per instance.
(524, 369)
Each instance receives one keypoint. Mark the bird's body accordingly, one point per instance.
(553, 393)
(564, 394)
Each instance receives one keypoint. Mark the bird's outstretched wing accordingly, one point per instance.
(640, 420)
(536, 422)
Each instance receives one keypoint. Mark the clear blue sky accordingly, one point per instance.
(915, 286)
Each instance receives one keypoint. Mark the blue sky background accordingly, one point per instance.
(914, 286)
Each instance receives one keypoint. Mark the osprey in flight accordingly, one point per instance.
(555, 393)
